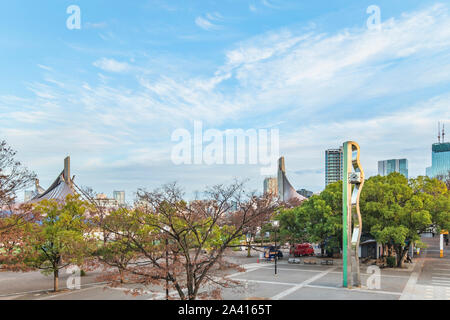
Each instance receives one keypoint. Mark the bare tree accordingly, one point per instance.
(13, 176)
(182, 244)
(264, 208)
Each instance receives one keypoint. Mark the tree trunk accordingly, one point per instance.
(322, 249)
(389, 246)
(249, 249)
(121, 275)
(55, 280)
(401, 256)
(261, 235)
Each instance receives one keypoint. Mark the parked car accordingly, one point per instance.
(304, 249)
(271, 252)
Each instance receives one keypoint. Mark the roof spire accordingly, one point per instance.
(443, 133)
(439, 132)
(67, 169)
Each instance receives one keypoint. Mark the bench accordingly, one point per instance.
(294, 260)
(327, 262)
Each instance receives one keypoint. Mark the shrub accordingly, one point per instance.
(391, 262)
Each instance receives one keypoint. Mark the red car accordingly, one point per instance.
(304, 249)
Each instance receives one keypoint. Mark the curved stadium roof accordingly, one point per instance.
(60, 188)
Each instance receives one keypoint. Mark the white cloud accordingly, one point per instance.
(283, 76)
(206, 24)
(215, 16)
(45, 67)
(400, 134)
(111, 65)
(268, 4)
(96, 25)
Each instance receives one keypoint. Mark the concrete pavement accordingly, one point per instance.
(431, 278)
(427, 280)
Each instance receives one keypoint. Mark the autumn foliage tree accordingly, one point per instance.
(13, 218)
(13, 176)
(181, 244)
(13, 238)
(266, 206)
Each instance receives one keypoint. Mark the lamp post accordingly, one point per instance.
(166, 230)
(275, 225)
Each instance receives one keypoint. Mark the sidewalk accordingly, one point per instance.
(429, 280)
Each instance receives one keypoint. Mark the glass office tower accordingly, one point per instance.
(440, 160)
(119, 196)
(385, 167)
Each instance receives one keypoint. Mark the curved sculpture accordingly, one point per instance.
(286, 191)
(353, 181)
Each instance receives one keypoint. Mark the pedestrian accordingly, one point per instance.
(408, 258)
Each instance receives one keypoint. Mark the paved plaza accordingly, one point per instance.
(427, 278)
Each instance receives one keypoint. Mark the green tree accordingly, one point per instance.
(436, 197)
(292, 225)
(117, 250)
(323, 216)
(395, 211)
(60, 236)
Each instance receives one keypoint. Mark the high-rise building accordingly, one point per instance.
(233, 206)
(385, 167)
(119, 196)
(333, 165)
(271, 186)
(440, 160)
(103, 201)
(440, 156)
(29, 194)
(305, 193)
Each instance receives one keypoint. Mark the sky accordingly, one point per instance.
(111, 93)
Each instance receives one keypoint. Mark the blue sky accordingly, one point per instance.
(111, 94)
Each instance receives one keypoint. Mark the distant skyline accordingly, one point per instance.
(111, 94)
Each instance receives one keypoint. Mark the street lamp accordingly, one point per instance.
(275, 225)
(166, 229)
